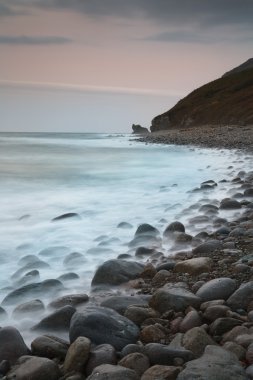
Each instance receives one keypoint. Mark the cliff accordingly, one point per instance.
(225, 101)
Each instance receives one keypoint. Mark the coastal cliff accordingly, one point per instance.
(225, 101)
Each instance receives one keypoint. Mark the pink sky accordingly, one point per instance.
(125, 52)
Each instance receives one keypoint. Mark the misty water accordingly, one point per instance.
(106, 180)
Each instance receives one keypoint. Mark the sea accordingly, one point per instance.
(105, 179)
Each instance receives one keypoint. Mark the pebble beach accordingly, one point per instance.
(182, 314)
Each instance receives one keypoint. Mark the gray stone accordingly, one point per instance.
(207, 248)
(146, 229)
(49, 347)
(34, 368)
(230, 204)
(103, 325)
(161, 372)
(12, 345)
(112, 372)
(69, 300)
(241, 298)
(121, 303)
(174, 227)
(102, 354)
(58, 320)
(194, 266)
(135, 361)
(77, 355)
(215, 364)
(218, 288)
(34, 307)
(165, 355)
(116, 272)
(222, 325)
(196, 340)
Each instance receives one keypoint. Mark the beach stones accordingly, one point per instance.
(58, 320)
(69, 300)
(165, 355)
(146, 229)
(102, 354)
(162, 372)
(215, 363)
(121, 303)
(173, 297)
(135, 361)
(103, 325)
(77, 355)
(116, 272)
(194, 266)
(113, 372)
(30, 307)
(174, 227)
(49, 347)
(207, 248)
(12, 345)
(230, 204)
(196, 340)
(241, 298)
(218, 288)
(35, 368)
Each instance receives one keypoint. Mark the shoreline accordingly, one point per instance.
(228, 137)
(168, 317)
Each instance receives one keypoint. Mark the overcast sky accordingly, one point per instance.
(101, 65)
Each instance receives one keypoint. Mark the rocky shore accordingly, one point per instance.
(153, 314)
(220, 136)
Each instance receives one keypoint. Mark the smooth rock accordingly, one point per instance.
(194, 266)
(196, 340)
(207, 248)
(230, 204)
(236, 349)
(218, 288)
(102, 354)
(69, 300)
(151, 334)
(57, 321)
(116, 272)
(103, 325)
(121, 303)
(164, 355)
(12, 345)
(49, 347)
(161, 372)
(174, 227)
(77, 355)
(222, 325)
(34, 368)
(136, 361)
(113, 372)
(34, 307)
(192, 319)
(138, 314)
(72, 215)
(146, 229)
(241, 298)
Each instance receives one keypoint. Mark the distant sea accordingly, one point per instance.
(106, 179)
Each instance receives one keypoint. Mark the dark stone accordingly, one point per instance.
(49, 347)
(241, 298)
(138, 129)
(74, 259)
(218, 288)
(34, 306)
(12, 345)
(230, 204)
(102, 354)
(121, 303)
(112, 372)
(222, 325)
(124, 225)
(35, 368)
(146, 229)
(57, 321)
(174, 227)
(68, 215)
(70, 299)
(103, 325)
(55, 251)
(68, 276)
(116, 272)
(143, 251)
(165, 355)
(207, 248)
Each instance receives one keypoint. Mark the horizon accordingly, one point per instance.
(102, 66)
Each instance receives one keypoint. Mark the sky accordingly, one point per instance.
(102, 65)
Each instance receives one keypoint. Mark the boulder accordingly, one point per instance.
(116, 272)
(230, 204)
(103, 325)
(50, 347)
(207, 248)
(196, 340)
(113, 372)
(34, 307)
(34, 368)
(136, 361)
(121, 303)
(69, 300)
(68, 215)
(12, 345)
(77, 355)
(194, 266)
(161, 372)
(173, 297)
(58, 320)
(241, 298)
(146, 229)
(218, 288)
(165, 355)
(215, 363)
(138, 314)
(139, 130)
(102, 354)
(192, 319)
(174, 227)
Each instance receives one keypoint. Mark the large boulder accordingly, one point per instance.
(77, 355)
(216, 363)
(112, 372)
(50, 347)
(173, 297)
(194, 266)
(116, 272)
(34, 368)
(103, 325)
(58, 320)
(12, 345)
(138, 129)
(174, 227)
(218, 288)
(102, 354)
(241, 298)
(230, 204)
(207, 248)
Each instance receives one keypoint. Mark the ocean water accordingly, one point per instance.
(106, 180)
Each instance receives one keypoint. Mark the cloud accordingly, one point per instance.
(179, 36)
(32, 40)
(69, 87)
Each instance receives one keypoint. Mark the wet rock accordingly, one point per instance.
(236, 349)
(68, 276)
(132, 348)
(146, 229)
(216, 363)
(151, 334)
(143, 251)
(138, 362)
(34, 307)
(116, 272)
(72, 215)
(241, 298)
(194, 266)
(39, 264)
(121, 303)
(57, 321)
(165, 355)
(138, 314)
(74, 259)
(49, 347)
(12, 345)
(112, 372)
(222, 325)
(27, 292)
(4, 367)
(173, 297)
(249, 354)
(199, 219)
(168, 265)
(145, 240)
(207, 248)
(3, 314)
(77, 355)
(34, 368)
(230, 204)
(248, 192)
(182, 238)
(196, 340)
(173, 227)
(192, 319)
(55, 251)
(102, 354)
(218, 288)
(69, 300)
(103, 325)
(161, 372)
(124, 225)
(216, 311)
